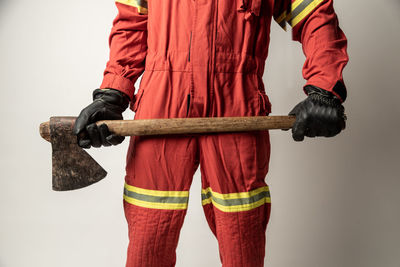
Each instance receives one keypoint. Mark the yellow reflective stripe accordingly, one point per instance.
(206, 201)
(156, 192)
(296, 4)
(236, 195)
(139, 4)
(305, 12)
(293, 6)
(152, 205)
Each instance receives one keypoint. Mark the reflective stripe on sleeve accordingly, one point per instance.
(301, 9)
(141, 5)
(298, 11)
(154, 199)
(235, 202)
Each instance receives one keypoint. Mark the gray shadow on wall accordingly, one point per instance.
(396, 2)
(3, 5)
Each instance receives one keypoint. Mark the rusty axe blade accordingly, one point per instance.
(73, 168)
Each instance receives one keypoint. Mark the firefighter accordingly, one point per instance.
(206, 58)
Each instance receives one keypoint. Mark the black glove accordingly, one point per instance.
(320, 114)
(108, 104)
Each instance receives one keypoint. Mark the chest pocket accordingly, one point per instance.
(251, 8)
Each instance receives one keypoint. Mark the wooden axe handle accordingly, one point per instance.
(190, 125)
(198, 125)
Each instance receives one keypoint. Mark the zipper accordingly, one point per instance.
(190, 45)
(191, 89)
(213, 47)
(188, 105)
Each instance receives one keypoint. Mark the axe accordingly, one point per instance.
(74, 168)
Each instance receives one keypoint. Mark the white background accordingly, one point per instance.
(335, 201)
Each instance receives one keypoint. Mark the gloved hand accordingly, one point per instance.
(320, 114)
(108, 104)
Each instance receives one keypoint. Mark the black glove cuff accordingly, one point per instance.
(112, 96)
(322, 96)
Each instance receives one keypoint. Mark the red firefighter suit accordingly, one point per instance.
(205, 58)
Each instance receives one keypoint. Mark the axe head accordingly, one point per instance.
(73, 168)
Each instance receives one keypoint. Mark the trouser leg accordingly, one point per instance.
(159, 174)
(235, 196)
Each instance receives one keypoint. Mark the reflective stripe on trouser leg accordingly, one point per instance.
(154, 199)
(154, 218)
(159, 174)
(235, 202)
(235, 197)
(240, 221)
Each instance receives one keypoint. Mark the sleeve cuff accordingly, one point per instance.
(339, 89)
(119, 83)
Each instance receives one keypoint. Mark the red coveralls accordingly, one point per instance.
(205, 58)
